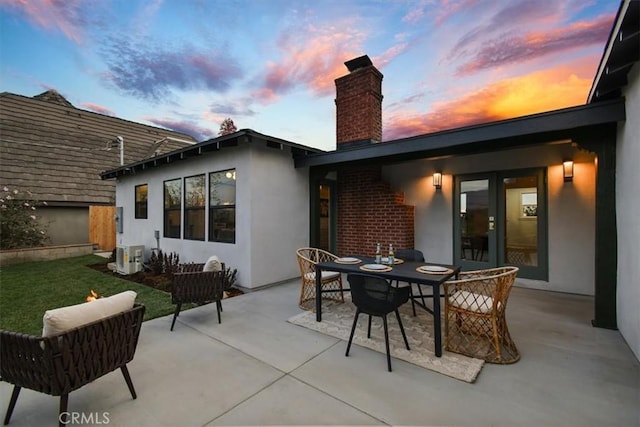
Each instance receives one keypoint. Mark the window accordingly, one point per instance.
(222, 206)
(141, 201)
(172, 207)
(194, 207)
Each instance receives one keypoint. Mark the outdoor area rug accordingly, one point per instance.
(337, 319)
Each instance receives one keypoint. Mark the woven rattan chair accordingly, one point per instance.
(375, 296)
(192, 285)
(331, 280)
(475, 322)
(59, 364)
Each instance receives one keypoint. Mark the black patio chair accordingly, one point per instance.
(411, 255)
(375, 296)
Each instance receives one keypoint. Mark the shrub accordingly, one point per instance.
(171, 263)
(19, 224)
(230, 277)
(160, 263)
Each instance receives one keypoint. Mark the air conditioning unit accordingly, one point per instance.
(129, 259)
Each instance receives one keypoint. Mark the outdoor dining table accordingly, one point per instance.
(406, 271)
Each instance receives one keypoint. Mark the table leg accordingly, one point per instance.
(437, 327)
(318, 294)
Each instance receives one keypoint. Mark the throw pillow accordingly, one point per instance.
(62, 319)
(213, 264)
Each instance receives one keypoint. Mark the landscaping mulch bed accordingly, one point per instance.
(161, 282)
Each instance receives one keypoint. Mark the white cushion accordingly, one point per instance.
(473, 302)
(212, 264)
(62, 319)
(325, 275)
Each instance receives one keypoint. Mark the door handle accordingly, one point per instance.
(492, 224)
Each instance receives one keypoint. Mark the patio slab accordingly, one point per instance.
(257, 369)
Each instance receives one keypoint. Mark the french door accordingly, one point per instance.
(500, 219)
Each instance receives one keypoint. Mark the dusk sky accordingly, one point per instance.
(270, 65)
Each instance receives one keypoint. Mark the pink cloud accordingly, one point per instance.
(313, 57)
(70, 17)
(537, 92)
(448, 8)
(187, 127)
(98, 109)
(502, 51)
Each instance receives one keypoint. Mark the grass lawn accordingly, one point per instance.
(28, 290)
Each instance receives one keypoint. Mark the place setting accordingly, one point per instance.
(378, 268)
(347, 260)
(433, 269)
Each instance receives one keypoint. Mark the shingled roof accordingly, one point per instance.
(57, 151)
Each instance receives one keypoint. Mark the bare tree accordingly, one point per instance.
(227, 127)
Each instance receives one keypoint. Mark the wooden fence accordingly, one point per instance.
(102, 227)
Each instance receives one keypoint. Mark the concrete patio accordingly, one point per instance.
(257, 369)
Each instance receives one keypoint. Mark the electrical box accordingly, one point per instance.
(118, 218)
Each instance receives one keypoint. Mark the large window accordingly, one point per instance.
(222, 206)
(194, 207)
(141, 201)
(172, 207)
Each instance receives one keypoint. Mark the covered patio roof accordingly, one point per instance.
(592, 127)
(569, 123)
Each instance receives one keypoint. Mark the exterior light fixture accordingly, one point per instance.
(567, 170)
(437, 180)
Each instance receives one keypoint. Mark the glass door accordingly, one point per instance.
(523, 229)
(326, 216)
(475, 222)
(501, 220)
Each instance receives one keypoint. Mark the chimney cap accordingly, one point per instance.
(357, 63)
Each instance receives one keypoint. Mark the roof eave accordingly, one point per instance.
(214, 144)
(620, 54)
(517, 131)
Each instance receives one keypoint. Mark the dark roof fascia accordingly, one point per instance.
(512, 133)
(621, 52)
(214, 144)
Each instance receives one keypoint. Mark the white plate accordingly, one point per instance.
(433, 268)
(347, 259)
(375, 266)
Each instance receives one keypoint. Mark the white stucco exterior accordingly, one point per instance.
(571, 208)
(272, 212)
(627, 209)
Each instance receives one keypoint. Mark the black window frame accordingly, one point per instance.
(189, 210)
(216, 211)
(169, 230)
(141, 206)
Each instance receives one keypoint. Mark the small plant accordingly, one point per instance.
(19, 225)
(230, 277)
(160, 263)
(171, 263)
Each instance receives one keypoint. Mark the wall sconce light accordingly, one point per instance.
(567, 170)
(437, 180)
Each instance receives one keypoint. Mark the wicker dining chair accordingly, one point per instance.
(475, 308)
(331, 280)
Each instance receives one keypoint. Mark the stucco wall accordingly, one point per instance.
(628, 206)
(270, 209)
(571, 214)
(279, 215)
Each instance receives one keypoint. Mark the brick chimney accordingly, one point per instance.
(369, 210)
(359, 104)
